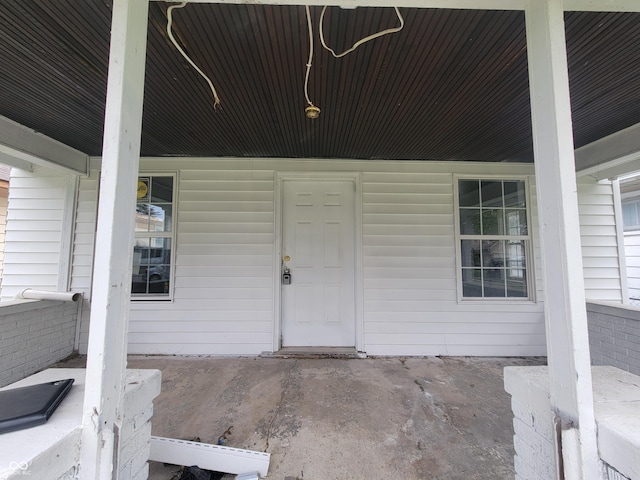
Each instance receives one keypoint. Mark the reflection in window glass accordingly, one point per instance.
(514, 194)
(491, 194)
(493, 238)
(470, 221)
(469, 193)
(631, 214)
(151, 266)
(492, 221)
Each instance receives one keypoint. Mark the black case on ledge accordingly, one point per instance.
(26, 407)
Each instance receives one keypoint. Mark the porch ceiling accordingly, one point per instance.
(452, 85)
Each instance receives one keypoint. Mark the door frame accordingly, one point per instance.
(356, 179)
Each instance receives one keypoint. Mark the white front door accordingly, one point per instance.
(318, 249)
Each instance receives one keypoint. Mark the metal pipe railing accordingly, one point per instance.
(31, 294)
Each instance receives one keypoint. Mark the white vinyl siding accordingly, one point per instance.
(410, 293)
(37, 237)
(600, 248)
(224, 271)
(84, 234)
(223, 294)
(83, 246)
(4, 202)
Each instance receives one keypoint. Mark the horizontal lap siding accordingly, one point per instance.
(223, 292)
(83, 248)
(599, 240)
(410, 283)
(4, 201)
(33, 240)
(224, 299)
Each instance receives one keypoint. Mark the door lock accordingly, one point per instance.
(286, 276)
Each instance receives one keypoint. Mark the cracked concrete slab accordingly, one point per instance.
(431, 418)
(376, 418)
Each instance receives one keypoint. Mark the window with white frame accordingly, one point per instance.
(493, 239)
(631, 214)
(154, 238)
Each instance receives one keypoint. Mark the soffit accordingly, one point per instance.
(452, 85)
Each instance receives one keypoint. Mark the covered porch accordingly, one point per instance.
(378, 418)
(549, 138)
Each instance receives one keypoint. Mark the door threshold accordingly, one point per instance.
(315, 352)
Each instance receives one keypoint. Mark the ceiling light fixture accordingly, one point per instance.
(312, 111)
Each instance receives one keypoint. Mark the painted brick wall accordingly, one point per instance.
(54, 453)
(616, 401)
(614, 336)
(142, 386)
(33, 335)
(533, 429)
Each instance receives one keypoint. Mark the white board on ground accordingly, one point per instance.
(207, 456)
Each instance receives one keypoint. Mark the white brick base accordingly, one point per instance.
(52, 450)
(617, 410)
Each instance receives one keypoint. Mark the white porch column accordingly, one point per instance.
(565, 309)
(106, 359)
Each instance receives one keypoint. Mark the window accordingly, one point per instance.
(493, 239)
(631, 214)
(154, 238)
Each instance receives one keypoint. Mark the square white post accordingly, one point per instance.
(106, 358)
(565, 307)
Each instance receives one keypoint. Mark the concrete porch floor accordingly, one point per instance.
(329, 418)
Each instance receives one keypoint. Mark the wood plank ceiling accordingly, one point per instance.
(452, 85)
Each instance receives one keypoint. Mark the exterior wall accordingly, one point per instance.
(410, 278)
(224, 270)
(4, 202)
(632, 250)
(600, 249)
(38, 231)
(614, 336)
(224, 273)
(33, 335)
(83, 247)
(630, 220)
(616, 402)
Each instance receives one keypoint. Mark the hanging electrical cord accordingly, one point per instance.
(170, 33)
(311, 111)
(359, 42)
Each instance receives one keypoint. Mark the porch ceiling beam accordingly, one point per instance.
(452, 4)
(110, 291)
(23, 148)
(569, 5)
(612, 156)
(565, 314)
